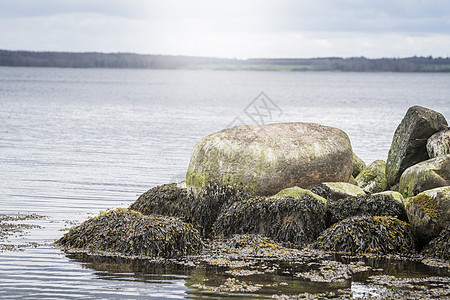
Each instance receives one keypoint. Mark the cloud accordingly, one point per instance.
(232, 28)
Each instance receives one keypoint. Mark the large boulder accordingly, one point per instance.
(373, 178)
(425, 175)
(409, 143)
(429, 213)
(127, 233)
(296, 220)
(266, 159)
(439, 144)
(336, 190)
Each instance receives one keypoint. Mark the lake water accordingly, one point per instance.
(74, 142)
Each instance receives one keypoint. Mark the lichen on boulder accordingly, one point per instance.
(336, 190)
(439, 144)
(263, 160)
(409, 142)
(369, 205)
(396, 195)
(295, 220)
(438, 247)
(429, 213)
(426, 175)
(127, 233)
(367, 234)
(372, 179)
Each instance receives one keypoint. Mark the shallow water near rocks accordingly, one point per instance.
(75, 142)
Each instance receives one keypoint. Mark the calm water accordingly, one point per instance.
(75, 142)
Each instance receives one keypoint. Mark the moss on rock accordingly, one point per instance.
(297, 192)
(425, 175)
(295, 220)
(429, 213)
(367, 234)
(127, 233)
(373, 178)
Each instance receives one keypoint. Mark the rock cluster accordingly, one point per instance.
(299, 184)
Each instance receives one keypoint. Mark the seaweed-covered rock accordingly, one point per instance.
(429, 213)
(127, 233)
(200, 209)
(358, 165)
(265, 159)
(367, 234)
(167, 200)
(425, 175)
(409, 142)
(396, 195)
(371, 205)
(373, 178)
(207, 206)
(336, 190)
(296, 220)
(439, 144)
(438, 247)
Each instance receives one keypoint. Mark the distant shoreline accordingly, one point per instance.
(147, 61)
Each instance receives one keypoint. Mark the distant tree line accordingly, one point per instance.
(139, 61)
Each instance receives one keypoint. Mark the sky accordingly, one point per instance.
(231, 28)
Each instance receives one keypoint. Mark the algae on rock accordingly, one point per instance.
(336, 190)
(373, 178)
(425, 175)
(429, 213)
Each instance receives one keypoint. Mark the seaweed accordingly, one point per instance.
(296, 221)
(371, 205)
(367, 234)
(439, 247)
(127, 233)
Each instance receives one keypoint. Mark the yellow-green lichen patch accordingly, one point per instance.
(396, 195)
(427, 204)
(297, 192)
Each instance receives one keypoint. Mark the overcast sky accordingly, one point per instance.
(231, 28)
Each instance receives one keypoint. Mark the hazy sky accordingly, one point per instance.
(231, 28)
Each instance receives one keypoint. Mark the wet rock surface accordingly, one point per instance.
(265, 159)
(127, 233)
(410, 138)
(296, 220)
(370, 205)
(365, 234)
